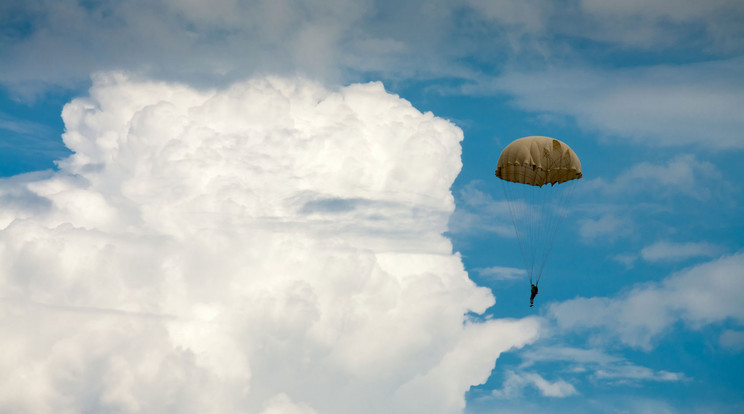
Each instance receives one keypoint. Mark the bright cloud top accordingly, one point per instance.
(271, 247)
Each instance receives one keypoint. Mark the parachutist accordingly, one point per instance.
(525, 167)
(533, 293)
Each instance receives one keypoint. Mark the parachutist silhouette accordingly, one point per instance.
(533, 293)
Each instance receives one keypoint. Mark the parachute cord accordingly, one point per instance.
(532, 217)
(555, 224)
(547, 211)
(512, 215)
(542, 200)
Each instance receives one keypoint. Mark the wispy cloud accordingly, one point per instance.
(341, 38)
(633, 373)
(732, 340)
(701, 295)
(642, 24)
(595, 364)
(669, 251)
(478, 211)
(567, 354)
(647, 189)
(685, 175)
(516, 382)
(501, 273)
(23, 127)
(659, 106)
(609, 226)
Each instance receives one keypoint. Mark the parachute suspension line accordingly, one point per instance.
(532, 218)
(537, 214)
(536, 209)
(555, 219)
(542, 206)
(545, 219)
(512, 213)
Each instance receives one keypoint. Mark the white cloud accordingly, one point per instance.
(684, 175)
(704, 294)
(657, 106)
(608, 226)
(338, 39)
(667, 251)
(226, 40)
(683, 10)
(516, 382)
(478, 211)
(733, 340)
(23, 127)
(529, 16)
(662, 186)
(273, 246)
(656, 22)
(595, 364)
(627, 259)
(629, 372)
(569, 354)
(670, 251)
(501, 273)
(630, 24)
(282, 404)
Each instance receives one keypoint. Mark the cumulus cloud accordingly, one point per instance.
(704, 294)
(282, 404)
(269, 247)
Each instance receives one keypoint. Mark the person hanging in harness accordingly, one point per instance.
(533, 293)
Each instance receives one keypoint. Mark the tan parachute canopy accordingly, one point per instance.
(538, 161)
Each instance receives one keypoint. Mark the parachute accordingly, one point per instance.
(538, 175)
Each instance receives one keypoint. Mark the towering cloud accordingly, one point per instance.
(270, 247)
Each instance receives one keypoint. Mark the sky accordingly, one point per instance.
(289, 207)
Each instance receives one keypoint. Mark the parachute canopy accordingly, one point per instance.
(538, 161)
(537, 210)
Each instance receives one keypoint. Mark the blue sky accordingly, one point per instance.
(257, 192)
